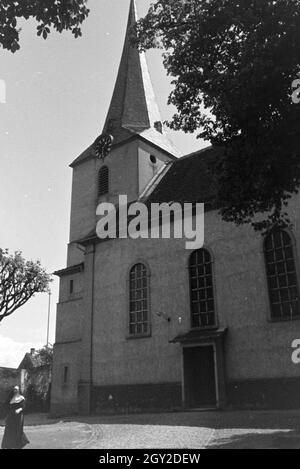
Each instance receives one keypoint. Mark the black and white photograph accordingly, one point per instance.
(150, 227)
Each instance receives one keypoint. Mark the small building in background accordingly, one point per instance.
(33, 375)
(35, 380)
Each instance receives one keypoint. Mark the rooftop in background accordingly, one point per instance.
(32, 361)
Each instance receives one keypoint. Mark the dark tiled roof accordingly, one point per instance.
(189, 179)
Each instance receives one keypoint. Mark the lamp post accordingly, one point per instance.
(48, 321)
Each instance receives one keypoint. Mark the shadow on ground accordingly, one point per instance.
(274, 440)
(231, 430)
(273, 420)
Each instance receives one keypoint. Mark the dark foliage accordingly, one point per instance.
(60, 15)
(233, 63)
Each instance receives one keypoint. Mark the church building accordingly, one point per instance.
(146, 324)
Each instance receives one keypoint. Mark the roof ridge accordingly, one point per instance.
(197, 152)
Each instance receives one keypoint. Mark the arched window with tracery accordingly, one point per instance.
(282, 275)
(139, 300)
(201, 289)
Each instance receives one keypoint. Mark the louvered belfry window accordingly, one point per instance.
(282, 275)
(201, 289)
(103, 181)
(139, 300)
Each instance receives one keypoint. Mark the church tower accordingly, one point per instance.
(132, 150)
(133, 142)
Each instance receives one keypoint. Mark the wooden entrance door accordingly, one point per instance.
(199, 377)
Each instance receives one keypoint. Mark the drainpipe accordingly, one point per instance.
(92, 331)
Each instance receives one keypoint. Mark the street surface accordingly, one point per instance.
(180, 430)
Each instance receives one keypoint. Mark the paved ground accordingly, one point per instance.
(264, 429)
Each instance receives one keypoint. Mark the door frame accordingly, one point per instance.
(197, 345)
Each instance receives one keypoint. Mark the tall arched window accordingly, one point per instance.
(139, 300)
(103, 181)
(201, 289)
(282, 275)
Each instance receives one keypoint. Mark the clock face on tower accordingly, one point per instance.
(103, 145)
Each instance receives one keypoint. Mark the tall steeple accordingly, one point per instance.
(133, 108)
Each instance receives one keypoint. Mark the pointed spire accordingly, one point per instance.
(129, 108)
(133, 109)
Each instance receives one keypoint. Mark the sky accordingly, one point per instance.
(54, 96)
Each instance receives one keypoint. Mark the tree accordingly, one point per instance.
(45, 355)
(233, 63)
(57, 14)
(19, 281)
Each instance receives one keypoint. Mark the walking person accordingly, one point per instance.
(14, 436)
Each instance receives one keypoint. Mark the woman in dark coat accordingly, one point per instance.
(14, 436)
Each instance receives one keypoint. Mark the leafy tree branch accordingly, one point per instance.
(233, 63)
(60, 15)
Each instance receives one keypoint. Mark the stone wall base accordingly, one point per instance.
(277, 393)
(136, 398)
(63, 409)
